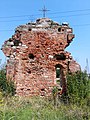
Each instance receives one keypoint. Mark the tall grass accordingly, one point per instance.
(37, 108)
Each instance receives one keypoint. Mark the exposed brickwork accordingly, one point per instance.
(35, 52)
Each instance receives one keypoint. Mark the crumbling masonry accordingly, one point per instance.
(37, 59)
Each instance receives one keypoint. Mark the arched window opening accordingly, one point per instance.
(59, 29)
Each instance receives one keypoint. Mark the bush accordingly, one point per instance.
(78, 85)
(6, 85)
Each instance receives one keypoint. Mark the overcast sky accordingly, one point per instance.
(77, 13)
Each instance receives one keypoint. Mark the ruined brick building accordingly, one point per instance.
(37, 59)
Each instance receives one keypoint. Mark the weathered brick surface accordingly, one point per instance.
(35, 51)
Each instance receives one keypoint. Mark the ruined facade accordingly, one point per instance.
(37, 59)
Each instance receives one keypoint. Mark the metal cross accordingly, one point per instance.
(44, 10)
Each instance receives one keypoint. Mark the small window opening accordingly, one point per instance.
(59, 29)
(42, 89)
(22, 88)
(29, 71)
(37, 46)
(31, 56)
(11, 45)
(61, 44)
(29, 29)
(62, 30)
(60, 57)
(29, 43)
(42, 56)
(28, 89)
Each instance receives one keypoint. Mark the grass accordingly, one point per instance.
(37, 108)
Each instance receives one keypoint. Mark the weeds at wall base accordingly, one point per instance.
(37, 108)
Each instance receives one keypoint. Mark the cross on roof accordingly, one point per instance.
(44, 10)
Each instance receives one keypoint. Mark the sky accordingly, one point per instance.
(77, 13)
